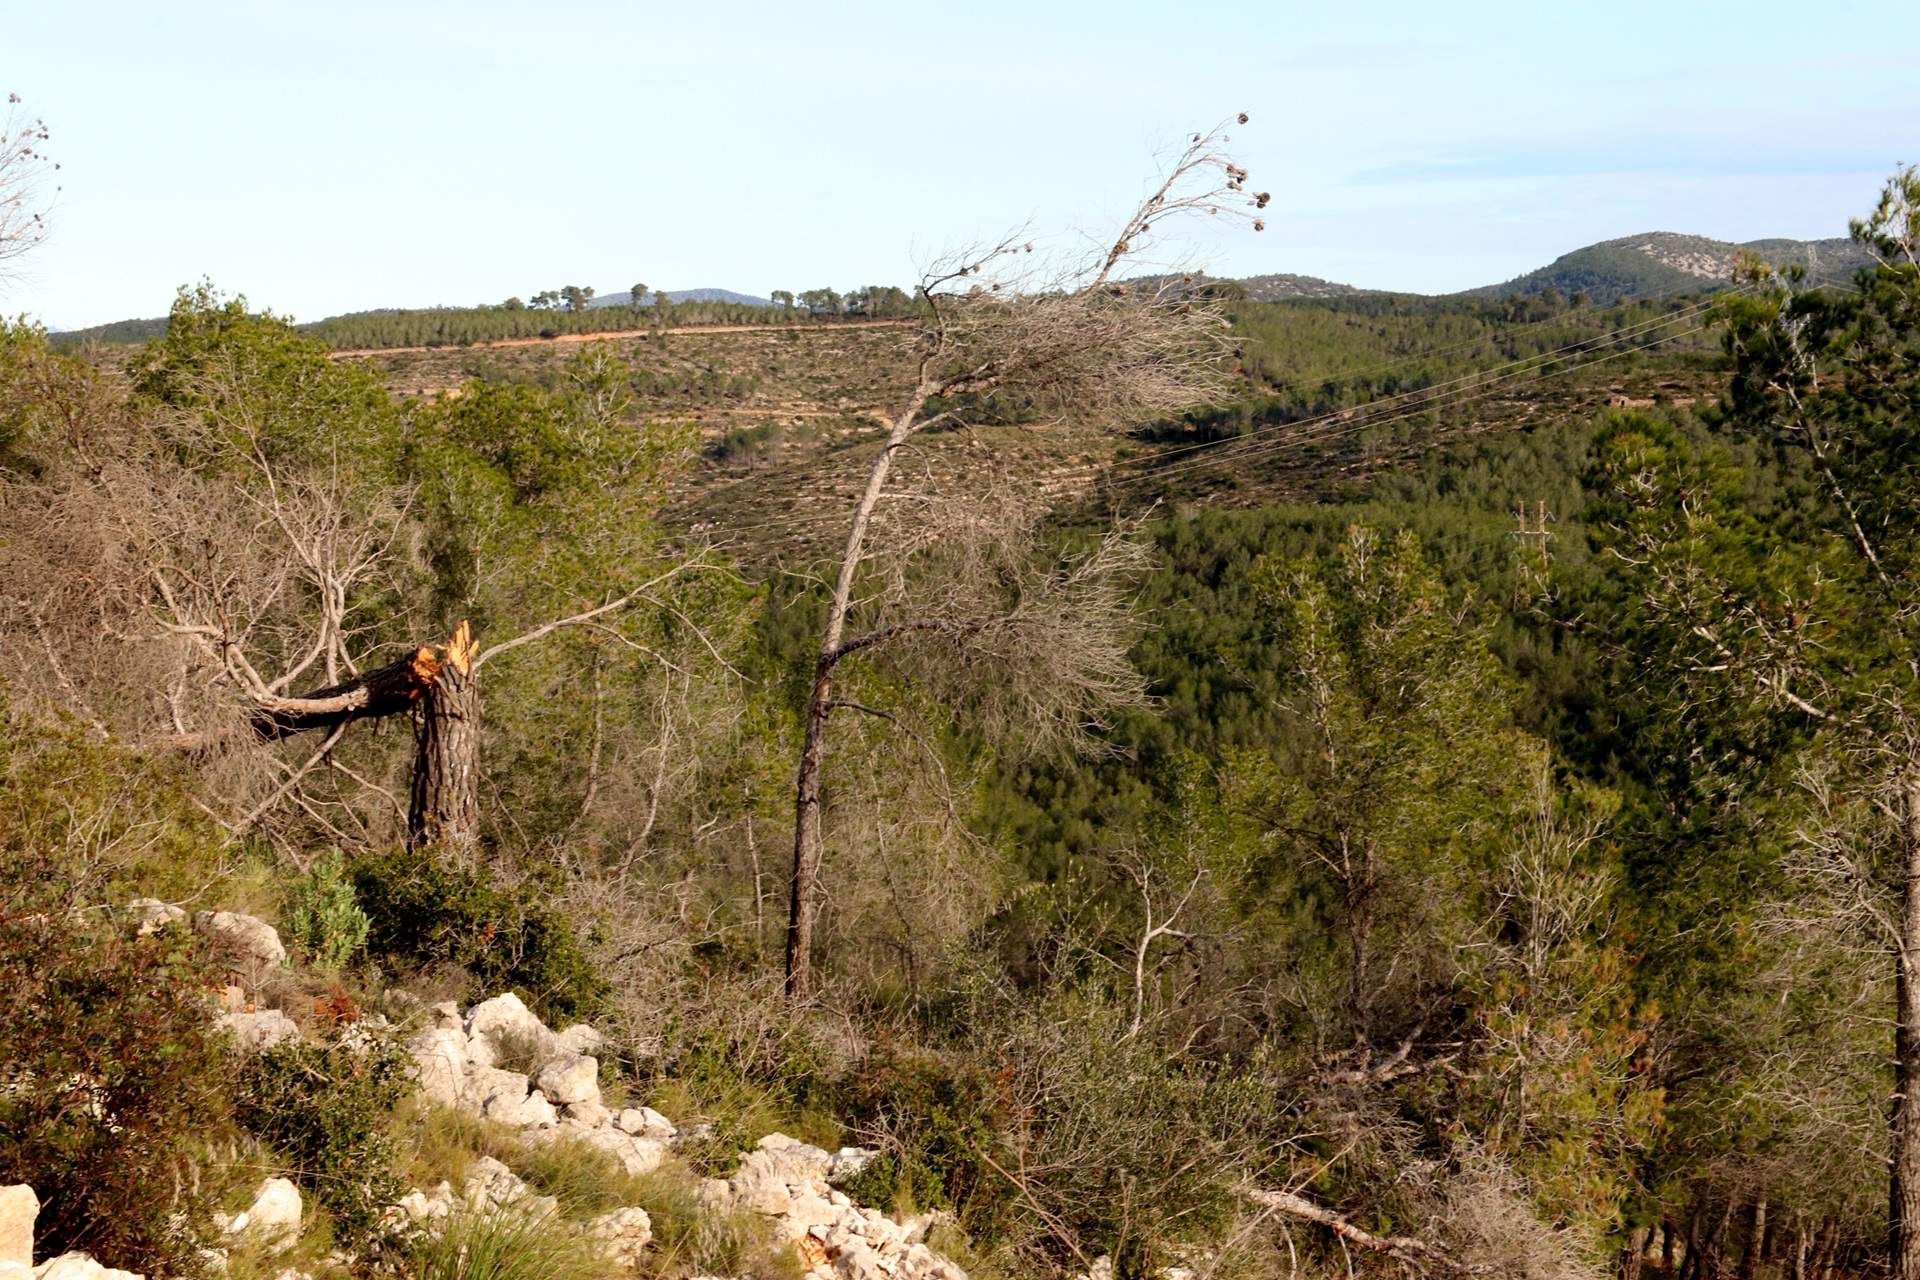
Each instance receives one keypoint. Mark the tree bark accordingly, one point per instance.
(1666, 1248)
(444, 808)
(1904, 1183)
(1634, 1256)
(1756, 1238)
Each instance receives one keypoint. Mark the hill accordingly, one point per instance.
(1282, 286)
(623, 297)
(1660, 263)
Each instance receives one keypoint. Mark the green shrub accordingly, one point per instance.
(111, 1079)
(327, 1110)
(506, 1245)
(423, 912)
(111, 1072)
(323, 918)
(944, 1115)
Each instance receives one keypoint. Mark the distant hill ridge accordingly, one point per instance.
(1656, 263)
(1651, 264)
(624, 297)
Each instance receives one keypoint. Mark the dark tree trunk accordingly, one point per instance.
(1756, 1244)
(803, 899)
(1634, 1256)
(444, 808)
(1666, 1247)
(1690, 1255)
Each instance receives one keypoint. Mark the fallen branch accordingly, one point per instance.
(1405, 1248)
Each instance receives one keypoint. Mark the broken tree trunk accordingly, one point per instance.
(443, 809)
(440, 680)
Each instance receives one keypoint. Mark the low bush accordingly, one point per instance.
(324, 920)
(423, 912)
(327, 1110)
(111, 1088)
(505, 1245)
(111, 1071)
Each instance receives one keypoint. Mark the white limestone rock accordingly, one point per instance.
(440, 1063)
(19, 1207)
(272, 1221)
(506, 1017)
(537, 1113)
(624, 1234)
(849, 1161)
(247, 937)
(79, 1266)
(424, 1208)
(570, 1078)
(636, 1155)
(260, 1029)
(484, 1084)
(590, 1113)
(645, 1122)
(150, 915)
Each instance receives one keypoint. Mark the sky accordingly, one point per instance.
(339, 157)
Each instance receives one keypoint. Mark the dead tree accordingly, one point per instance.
(1072, 340)
(23, 171)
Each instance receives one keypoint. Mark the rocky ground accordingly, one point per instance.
(500, 1063)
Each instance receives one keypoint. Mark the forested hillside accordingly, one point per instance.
(1090, 777)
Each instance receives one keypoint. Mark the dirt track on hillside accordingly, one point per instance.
(361, 353)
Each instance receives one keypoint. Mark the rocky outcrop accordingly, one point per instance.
(458, 1063)
(790, 1182)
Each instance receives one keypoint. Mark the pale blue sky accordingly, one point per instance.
(332, 157)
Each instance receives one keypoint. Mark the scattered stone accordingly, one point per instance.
(590, 1113)
(248, 937)
(489, 1184)
(634, 1154)
(645, 1122)
(272, 1221)
(624, 1233)
(569, 1078)
(425, 1207)
(538, 1113)
(260, 1029)
(446, 1016)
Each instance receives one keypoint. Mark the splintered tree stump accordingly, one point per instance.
(444, 807)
